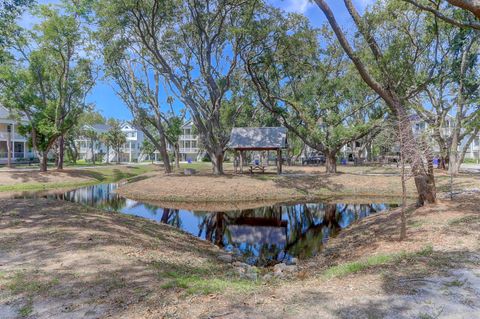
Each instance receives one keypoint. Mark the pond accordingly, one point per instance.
(261, 236)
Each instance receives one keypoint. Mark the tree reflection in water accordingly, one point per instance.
(261, 236)
(306, 228)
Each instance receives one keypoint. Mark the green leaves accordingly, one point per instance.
(48, 79)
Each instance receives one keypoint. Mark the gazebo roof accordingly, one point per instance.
(257, 138)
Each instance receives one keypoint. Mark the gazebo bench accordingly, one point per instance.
(257, 167)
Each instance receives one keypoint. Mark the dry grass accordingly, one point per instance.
(63, 260)
(367, 273)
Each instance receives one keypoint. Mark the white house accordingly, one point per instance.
(473, 150)
(83, 143)
(189, 144)
(130, 151)
(189, 147)
(19, 146)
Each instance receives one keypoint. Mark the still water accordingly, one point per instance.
(261, 236)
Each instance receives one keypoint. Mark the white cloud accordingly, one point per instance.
(298, 6)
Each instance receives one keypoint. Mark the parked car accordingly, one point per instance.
(314, 159)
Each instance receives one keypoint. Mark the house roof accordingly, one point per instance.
(99, 128)
(258, 138)
(187, 124)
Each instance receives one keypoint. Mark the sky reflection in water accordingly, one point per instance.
(260, 236)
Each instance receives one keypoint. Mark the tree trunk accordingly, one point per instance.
(43, 157)
(442, 145)
(217, 162)
(108, 154)
(425, 184)
(369, 152)
(177, 155)
(93, 151)
(412, 150)
(403, 216)
(164, 154)
(118, 155)
(9, 146)
(74, 151)
(161, 146)
(442, 162)
(331, 162)
(61, 151)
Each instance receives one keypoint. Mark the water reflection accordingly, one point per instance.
(260, 236)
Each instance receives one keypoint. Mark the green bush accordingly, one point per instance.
(470, 161)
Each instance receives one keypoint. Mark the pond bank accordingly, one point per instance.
(12, 181)
(230, 191)
(64, 260)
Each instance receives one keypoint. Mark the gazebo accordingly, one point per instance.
(244, 139)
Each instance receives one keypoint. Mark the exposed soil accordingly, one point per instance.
(439, 277)
(63, 260)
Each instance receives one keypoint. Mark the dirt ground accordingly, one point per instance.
(298, 183)
(63, 260)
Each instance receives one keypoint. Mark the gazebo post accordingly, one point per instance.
(241, 162)
(279, 161)
(235, 161)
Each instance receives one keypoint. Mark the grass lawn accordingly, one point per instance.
(11, 181)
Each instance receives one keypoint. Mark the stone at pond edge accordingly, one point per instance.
(284, 268)
(241, 264)
(189, 171)
(292, 261)
(225, 258)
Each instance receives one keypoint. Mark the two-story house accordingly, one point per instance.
(473, 150)
(131, 151)
(19, 144)
(189, 146)
(84, 143)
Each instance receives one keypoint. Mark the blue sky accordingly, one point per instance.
(105, 99)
